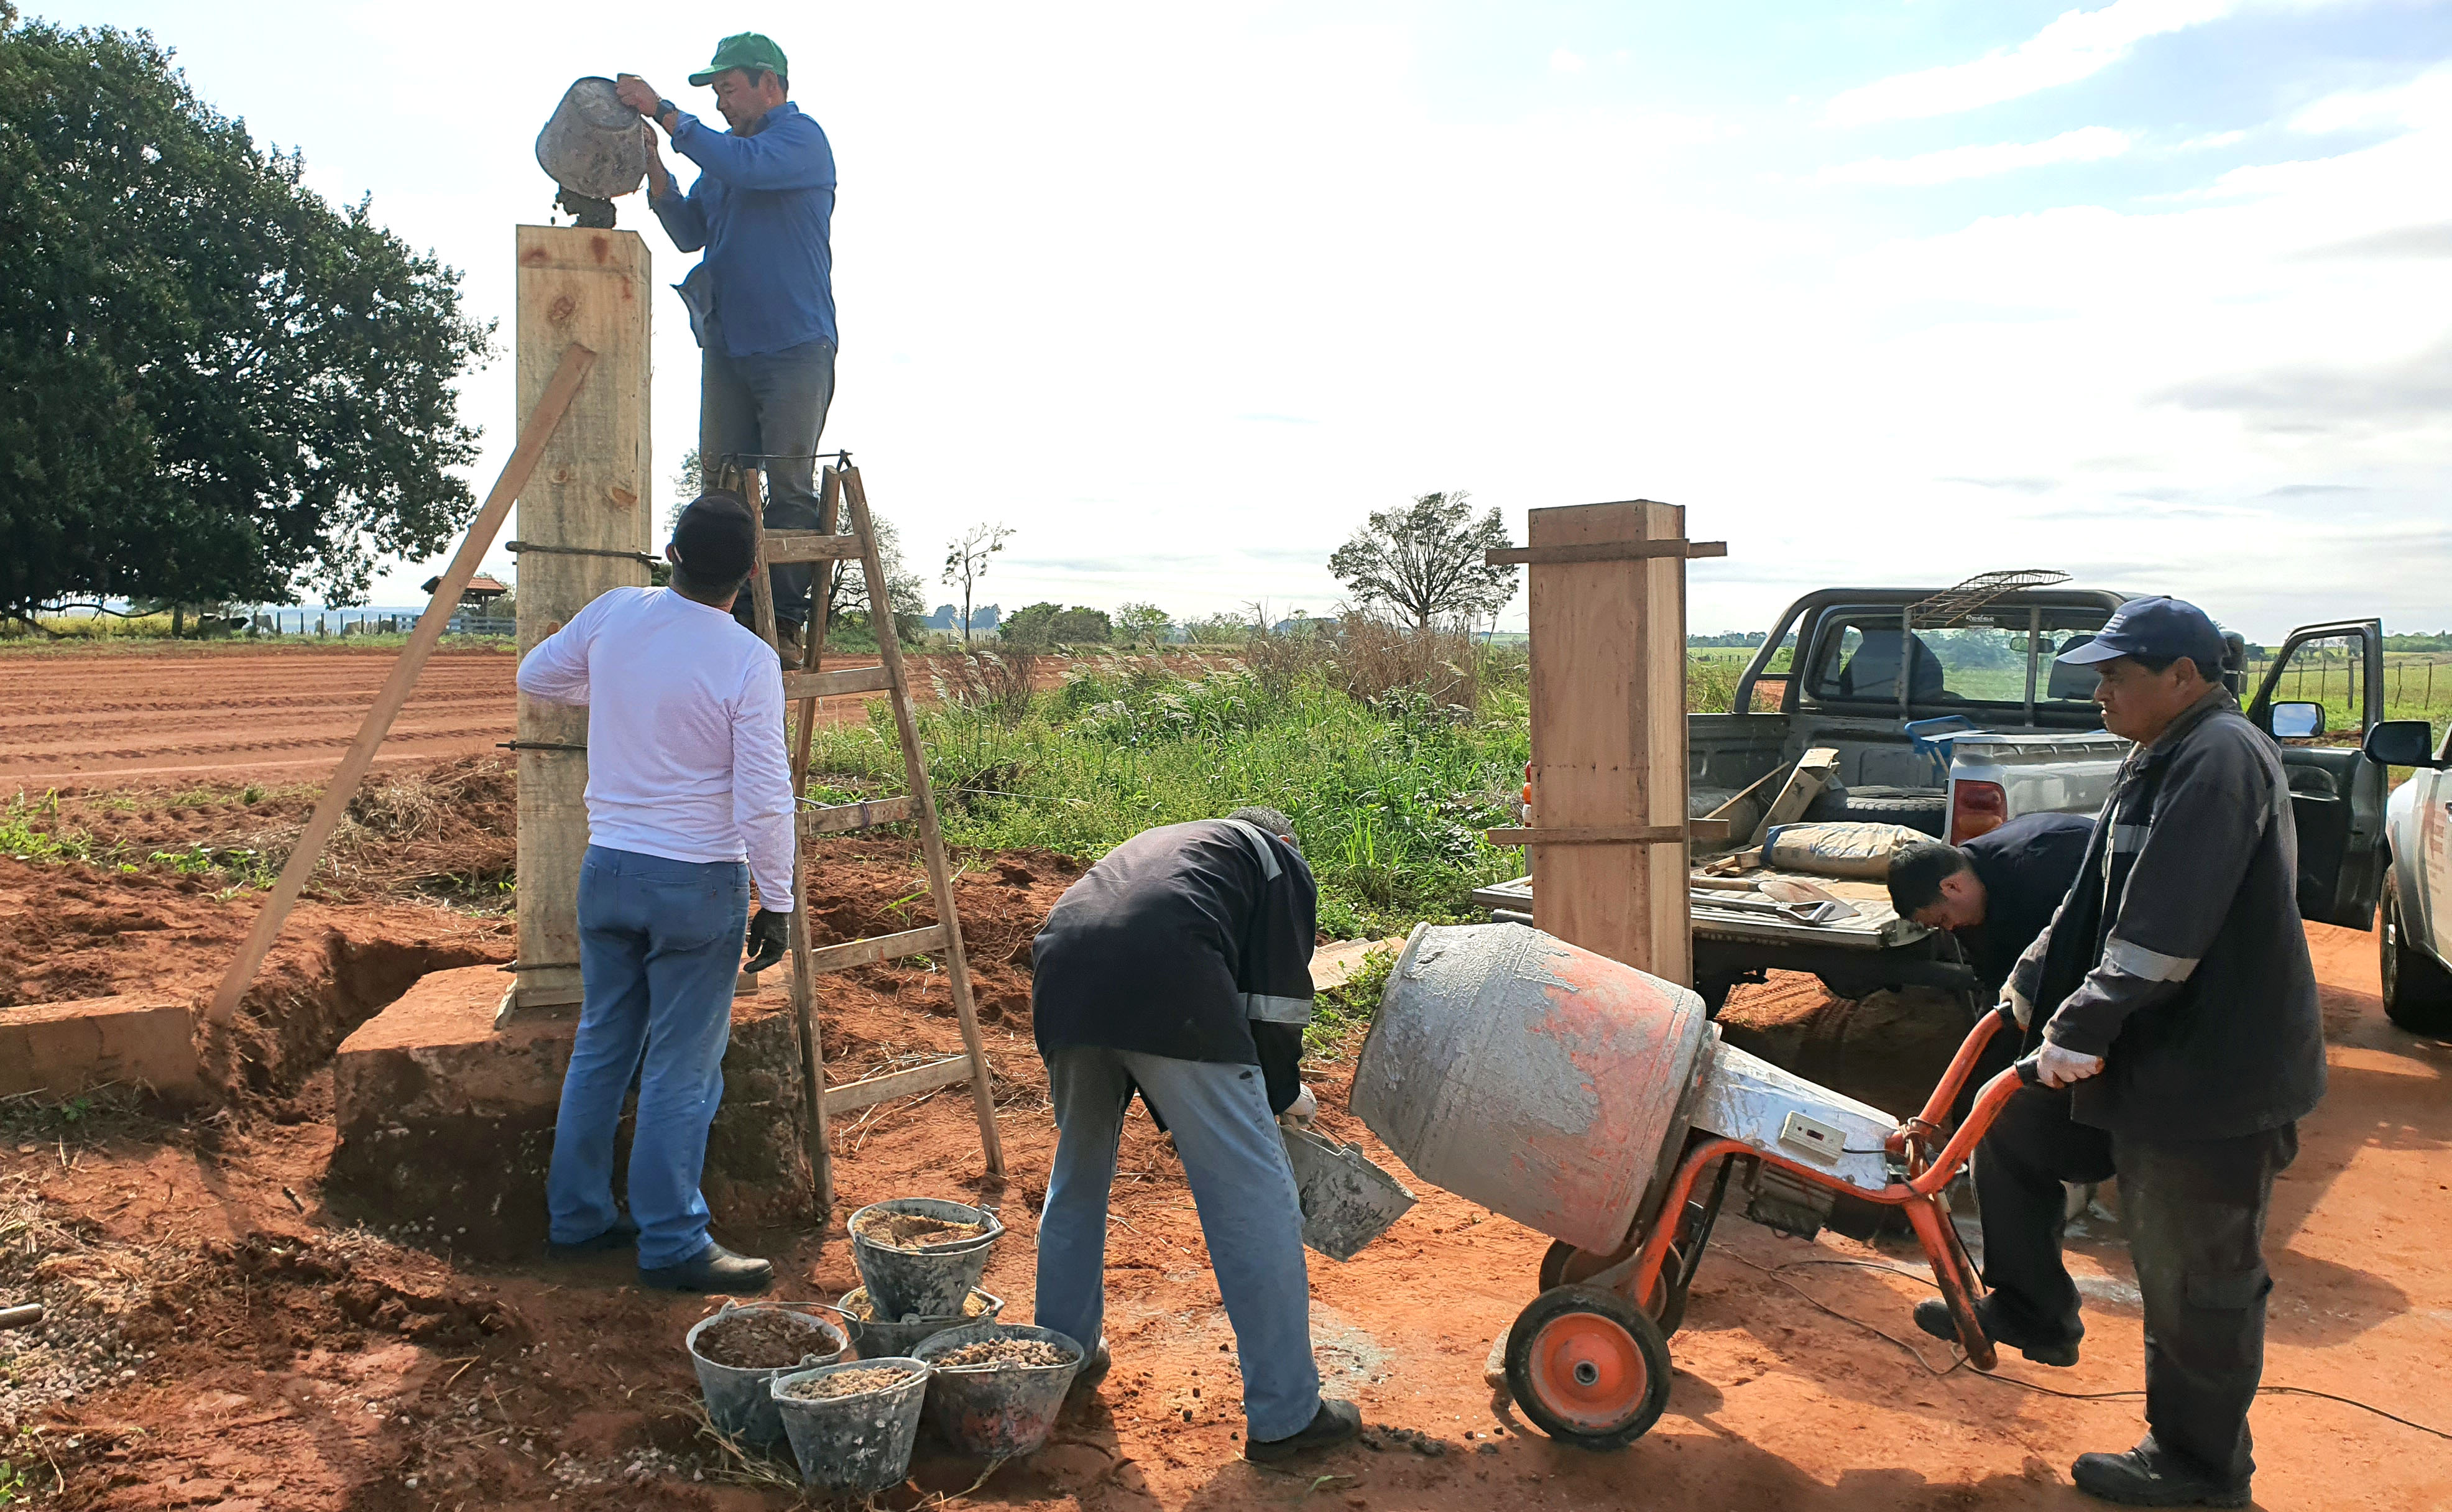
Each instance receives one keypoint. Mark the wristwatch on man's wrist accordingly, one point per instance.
(665, 108)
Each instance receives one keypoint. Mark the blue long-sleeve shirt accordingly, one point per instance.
(763, 208)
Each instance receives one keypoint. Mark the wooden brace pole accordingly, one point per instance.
(542, 423)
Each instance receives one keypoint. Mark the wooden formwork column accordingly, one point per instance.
(1608, 731)
(585, 521)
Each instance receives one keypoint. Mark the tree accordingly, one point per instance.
(1047, 625)
(1141, 625)
(849, 596)
(214, 384)
(1426, 562)
(966, 562)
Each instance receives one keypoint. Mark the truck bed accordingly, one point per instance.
(1877, 927)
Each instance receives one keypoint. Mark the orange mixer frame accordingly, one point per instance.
(1588, 1360)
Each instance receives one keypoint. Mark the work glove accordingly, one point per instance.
(1300, 1112)
(2059, 1067)
(770, 935)
(2019, 1007)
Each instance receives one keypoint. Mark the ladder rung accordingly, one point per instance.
(828, 685)
(809, 546)
(870, 1090)
(878, 948)
(836, 818)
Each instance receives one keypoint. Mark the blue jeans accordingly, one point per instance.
(1242, 1184)
(772, 403)
(659, 951)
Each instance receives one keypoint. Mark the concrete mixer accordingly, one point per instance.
(1594, 1102)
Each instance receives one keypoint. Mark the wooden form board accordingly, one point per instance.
(1609, 734)
(592, 492)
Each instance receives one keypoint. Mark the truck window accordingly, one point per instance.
(2328, 670)
(1984, 659)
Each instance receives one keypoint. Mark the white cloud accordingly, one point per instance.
(1564, 61)
(2076, 44)
(2423, 101)
(2087, 145)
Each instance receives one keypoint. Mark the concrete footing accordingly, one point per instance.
(448, 1122)
(63, 1048)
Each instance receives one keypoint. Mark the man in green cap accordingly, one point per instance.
(762, 300)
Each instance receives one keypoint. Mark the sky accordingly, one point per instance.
(2151, 291)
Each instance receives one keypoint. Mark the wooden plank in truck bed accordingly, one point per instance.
(1877, 927)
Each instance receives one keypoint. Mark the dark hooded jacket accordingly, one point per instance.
(2179, 956)
(1193, 942)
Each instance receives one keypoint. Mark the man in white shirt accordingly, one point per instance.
(689, 799)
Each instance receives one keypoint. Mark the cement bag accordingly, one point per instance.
(1836, 848)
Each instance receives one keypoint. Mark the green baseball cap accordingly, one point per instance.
(743, 49)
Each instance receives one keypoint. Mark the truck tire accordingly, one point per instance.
(2417, 988)
(1912, 807)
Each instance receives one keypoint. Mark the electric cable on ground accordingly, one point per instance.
(1773, 1272)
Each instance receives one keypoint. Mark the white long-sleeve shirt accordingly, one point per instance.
(684, 732)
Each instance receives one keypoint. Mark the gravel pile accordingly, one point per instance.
(763, 1339)
(1003, 1354)
(849, 1384)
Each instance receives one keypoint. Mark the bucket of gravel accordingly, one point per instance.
(919, 1257)
(994, 1389)
(740, 1348)
(880, 1337)
(852, 1425)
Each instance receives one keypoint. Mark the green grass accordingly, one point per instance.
(31, 831)
(1390, 797)
(1346, 1009)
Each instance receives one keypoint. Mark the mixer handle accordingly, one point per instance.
(2031, 1070)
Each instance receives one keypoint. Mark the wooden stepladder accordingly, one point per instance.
(843, 493)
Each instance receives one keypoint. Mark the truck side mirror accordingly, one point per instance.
(2297, 721)
(2397, 741)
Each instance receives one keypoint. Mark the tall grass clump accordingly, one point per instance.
(1391, 760)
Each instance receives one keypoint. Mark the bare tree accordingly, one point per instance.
(1426, 562)
(966, 562)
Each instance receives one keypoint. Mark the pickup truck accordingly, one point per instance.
(2414, 943)
(1948, 713)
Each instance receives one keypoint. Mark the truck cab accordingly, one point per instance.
(1907, 688)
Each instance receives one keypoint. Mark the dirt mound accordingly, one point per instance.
(878, 1017)
(79, 931)
(443, 831)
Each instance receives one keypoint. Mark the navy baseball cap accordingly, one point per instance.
(2159, 628)
(715, 539)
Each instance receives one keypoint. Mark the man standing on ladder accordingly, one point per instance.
(1179, 967)
(685, 778)
(761, 301)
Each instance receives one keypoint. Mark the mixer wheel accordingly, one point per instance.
(1587, 1366)
(1566, 1265)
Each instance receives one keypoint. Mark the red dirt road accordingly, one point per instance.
(229, 714)
(276, 716)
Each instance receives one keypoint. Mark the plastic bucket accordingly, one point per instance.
(996, 1413)
(929, 1282)
(859, 1443)
(738, 1401)
(1347, 1201)
(894, 1337)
